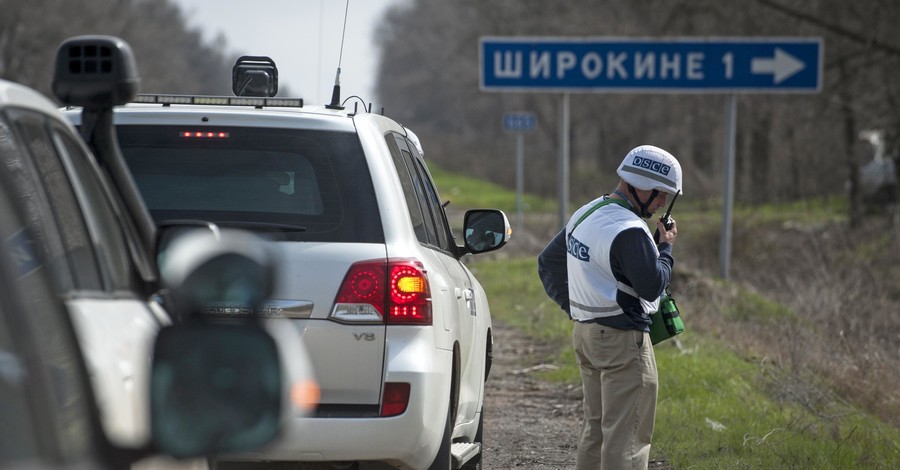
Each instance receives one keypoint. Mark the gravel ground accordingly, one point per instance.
(529, 423)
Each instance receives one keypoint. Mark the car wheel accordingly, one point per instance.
(443, 459)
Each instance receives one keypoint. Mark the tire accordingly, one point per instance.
(443, 460)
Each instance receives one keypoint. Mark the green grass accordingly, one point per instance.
(753, 305)
(716, 409)
(706, 216)
(469, 193)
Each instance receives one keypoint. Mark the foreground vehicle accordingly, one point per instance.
(48, 413)
(99, 250)
(81, 241)
(398, 329)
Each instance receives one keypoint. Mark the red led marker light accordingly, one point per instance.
(203, 134)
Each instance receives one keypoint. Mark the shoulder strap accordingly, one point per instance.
(600, 204)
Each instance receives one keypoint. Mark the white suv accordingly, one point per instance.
(398, 328)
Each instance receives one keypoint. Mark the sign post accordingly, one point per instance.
(520, 123)
(646, 65)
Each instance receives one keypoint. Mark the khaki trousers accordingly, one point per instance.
(618, 373)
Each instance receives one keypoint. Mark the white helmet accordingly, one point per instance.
(648, 167)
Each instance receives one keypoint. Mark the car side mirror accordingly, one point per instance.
(203, 265)
(485, 230)
(215, 387)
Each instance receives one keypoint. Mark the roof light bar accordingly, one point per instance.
(285, 102)
(174, 99)
(241, 101)
(220, 100)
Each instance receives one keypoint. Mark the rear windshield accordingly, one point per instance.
(300, 185)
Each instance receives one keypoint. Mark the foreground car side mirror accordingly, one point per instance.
(214, 389)
(485, 230)
(204, 265)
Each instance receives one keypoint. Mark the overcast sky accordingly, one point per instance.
(303, 37)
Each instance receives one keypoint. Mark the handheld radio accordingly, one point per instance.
(666, 219)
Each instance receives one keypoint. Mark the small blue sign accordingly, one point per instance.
(519, 121)
(673, 65)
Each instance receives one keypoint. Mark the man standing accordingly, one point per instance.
(607, 272)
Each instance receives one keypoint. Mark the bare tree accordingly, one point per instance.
(794, 146)
(171, 57)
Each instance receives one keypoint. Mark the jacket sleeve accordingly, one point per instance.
(634, 262)
(553, 272)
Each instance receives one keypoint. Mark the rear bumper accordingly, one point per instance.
(410, 440)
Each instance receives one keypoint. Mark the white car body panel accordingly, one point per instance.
(117, 338)
(409, 440)
(345, 354)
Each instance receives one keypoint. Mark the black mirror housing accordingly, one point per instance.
(485, 230)
(214, 388)
(95, 72)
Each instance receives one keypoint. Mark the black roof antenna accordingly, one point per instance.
(336, 91)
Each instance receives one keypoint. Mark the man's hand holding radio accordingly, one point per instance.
(667, 235)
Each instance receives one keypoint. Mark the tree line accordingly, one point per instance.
(172, 57)
(789, 146)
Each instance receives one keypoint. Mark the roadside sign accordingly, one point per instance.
(667, 65)
(521, 122)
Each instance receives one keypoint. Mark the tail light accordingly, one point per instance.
(395, 398)
(394, 291)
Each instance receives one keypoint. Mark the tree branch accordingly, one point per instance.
(833, 28)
